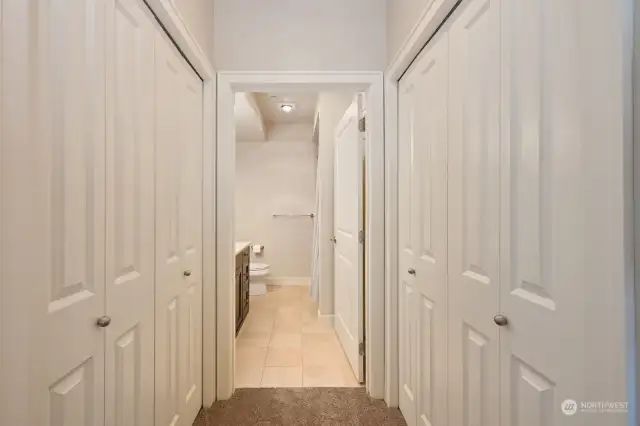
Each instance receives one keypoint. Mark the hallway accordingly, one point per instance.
(283, 344)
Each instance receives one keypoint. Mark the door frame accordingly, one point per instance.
(263, 81)
(174, 25)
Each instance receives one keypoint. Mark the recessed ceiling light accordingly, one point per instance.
(286, 108)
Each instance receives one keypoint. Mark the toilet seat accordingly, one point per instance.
(258, 269)
(255, 267)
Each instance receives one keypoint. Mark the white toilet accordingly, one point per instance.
(258, 282)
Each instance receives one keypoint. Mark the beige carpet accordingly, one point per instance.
(300, 406)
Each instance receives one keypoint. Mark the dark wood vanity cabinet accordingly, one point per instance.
(242, 287)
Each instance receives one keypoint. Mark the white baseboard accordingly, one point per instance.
(328, 320)
(286, 281)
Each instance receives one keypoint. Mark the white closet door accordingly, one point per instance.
(473, 173)
(178, 238)
(63, 223)
(130, 216)
(423, 236)
(190, 232)
(559, 343)
(349, 303)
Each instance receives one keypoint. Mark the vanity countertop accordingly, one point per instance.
(241, 245)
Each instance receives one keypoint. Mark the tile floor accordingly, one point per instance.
(283, 344)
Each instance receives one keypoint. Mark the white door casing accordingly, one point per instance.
(178, 238)
(423, 102)
(348, 222)
(130, 288)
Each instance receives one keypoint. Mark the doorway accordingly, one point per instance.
(281, 339)
(229, 85)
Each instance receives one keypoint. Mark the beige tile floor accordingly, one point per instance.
(283, 344)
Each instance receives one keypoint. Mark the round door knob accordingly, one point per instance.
(103, 322)
(412, 271)
(500, 320)
(187, 273)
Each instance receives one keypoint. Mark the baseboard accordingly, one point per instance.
(328, 320)
(287, 281)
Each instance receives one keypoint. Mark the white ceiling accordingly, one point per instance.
(303, 112)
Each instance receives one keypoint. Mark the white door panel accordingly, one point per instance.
(544, 288)
(191, 244)
(423, 235)
(348, 223)
(66, 376)
(178, 239)
(130, 216)
(406, 300)
(473, 173)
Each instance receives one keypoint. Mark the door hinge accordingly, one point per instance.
(361, 349)
(361, 236)
(362, 124)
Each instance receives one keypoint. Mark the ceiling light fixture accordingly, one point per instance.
(286, 108)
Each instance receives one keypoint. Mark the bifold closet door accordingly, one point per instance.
(558, 240)
(473, 212)
(423, 103)
(178, 238)
(53, 213)
(130, 215)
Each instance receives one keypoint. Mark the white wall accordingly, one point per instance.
(198, 17)
(402, 16)
(249, 122)
(300, 35)
(278, 176)
(331, 108)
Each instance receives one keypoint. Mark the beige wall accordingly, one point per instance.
(300, 35)
(278, 176)
(198, 16)
(402, 16)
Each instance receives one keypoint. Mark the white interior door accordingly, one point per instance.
(130, 216)
(473, 174)
(423, 103)
(178, 238)
(348, 223)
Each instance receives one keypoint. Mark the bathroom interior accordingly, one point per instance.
(281, 339)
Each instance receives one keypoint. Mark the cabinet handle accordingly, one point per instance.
(412, 271)
(187, 273)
